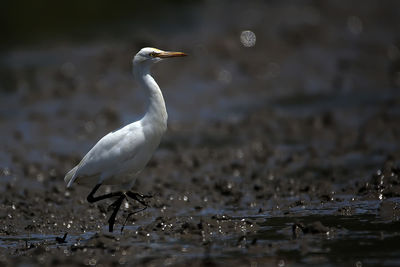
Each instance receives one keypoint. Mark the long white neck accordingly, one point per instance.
(156, 112)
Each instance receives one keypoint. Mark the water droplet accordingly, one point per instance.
(393, 52)
(6, 171)
(273, 70)
(239, 153)
(92, 262)
(122, 261)
(355, 25)
(89, 126)
(68, 69)
(13, 207)
(53, 172)
(40, 177)
(41, 259)
(248, 38)
(224, 76)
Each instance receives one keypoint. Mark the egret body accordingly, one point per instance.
(118, 157)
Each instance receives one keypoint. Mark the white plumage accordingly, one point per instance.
(118, 157)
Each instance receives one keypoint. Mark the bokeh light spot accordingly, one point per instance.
(248, 38)
(224, 76)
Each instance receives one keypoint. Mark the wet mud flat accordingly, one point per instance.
(287, 159)
(217, 200)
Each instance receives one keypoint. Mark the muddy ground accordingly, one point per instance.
(284, 153)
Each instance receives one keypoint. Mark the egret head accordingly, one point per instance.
(153, 55)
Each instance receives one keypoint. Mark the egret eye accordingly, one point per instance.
(152, 54)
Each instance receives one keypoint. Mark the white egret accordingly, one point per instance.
(120, 156)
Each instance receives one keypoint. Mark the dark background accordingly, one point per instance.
(27, 21)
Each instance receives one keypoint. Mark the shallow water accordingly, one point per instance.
(358, 236)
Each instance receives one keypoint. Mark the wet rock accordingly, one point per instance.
(347, 211)
(389, 210)
(313, 228)
(384, 183)
(61, 240)
(101, 241)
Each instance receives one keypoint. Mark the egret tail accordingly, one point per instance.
(68, 177)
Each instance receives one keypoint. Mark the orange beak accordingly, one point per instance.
(166, 54)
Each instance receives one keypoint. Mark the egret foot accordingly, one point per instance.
(138, 197)
(116, 205)
(129, 215)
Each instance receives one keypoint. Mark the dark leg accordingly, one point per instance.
(130, 214)
(139, 198)
(117, 204)
(91, 198)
